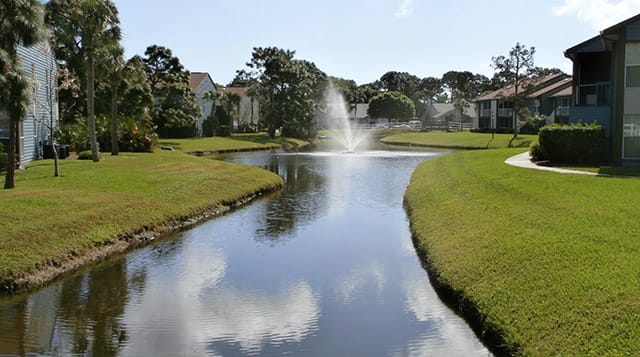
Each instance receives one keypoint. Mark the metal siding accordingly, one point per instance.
(633, 31)
(38, 63)
(588, 114)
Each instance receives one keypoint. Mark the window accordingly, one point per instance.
(633, 76)
(631, 137)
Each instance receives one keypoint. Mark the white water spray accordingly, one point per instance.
(338, 121)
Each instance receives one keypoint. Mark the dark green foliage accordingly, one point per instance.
(289, 91)
(570, 144)
(533, 125)
(3, 158)
(84, 155)
(209, 126)
(391, 105)
(175, 106)
(134, 136)
(223, 130)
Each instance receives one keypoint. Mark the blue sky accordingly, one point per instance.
(363, 39)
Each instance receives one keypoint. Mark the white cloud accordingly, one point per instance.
(405, 9)
(600, 14)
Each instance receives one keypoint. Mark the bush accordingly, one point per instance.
(533, 125)
(85, 155)
(4, 158)
(133, 135)
(223, 130)
(570, 144)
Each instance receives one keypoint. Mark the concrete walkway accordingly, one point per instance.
(524, 160)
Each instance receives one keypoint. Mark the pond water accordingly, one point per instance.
(324, 268)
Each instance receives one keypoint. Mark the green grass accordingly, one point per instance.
(460, 140)
(549, 260)
(45, 219)
(237, 142)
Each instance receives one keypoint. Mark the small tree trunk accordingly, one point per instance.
(90, 106)
(11, 156)
(114, 121)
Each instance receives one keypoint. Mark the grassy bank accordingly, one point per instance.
(237, 142)
(48, 222)
(459, 140)
(546, 262)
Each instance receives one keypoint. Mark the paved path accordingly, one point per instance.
(524, 160)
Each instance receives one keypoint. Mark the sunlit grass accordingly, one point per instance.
(45, 219)
(236, 142)
(460, 140)
(549, 260)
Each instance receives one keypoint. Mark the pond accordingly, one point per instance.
(325, 267)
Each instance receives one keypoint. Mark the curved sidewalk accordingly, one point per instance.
(524, 160)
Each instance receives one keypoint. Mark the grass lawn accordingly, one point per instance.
(46, 220)
(459, 140)
(236, 142)
(551, 262)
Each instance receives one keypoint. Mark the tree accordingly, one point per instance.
(175, 104)
(81, 29)
(392, 105)
(115, 66)
(21, 22)
(402, 82)
(213, 97)
(465, 84)
(289, 90)
(516, 70)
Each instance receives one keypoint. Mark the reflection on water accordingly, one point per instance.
(325, 267)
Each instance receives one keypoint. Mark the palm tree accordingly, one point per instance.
(21, 22)
(87, 26)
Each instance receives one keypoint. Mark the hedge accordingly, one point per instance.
(570, 144)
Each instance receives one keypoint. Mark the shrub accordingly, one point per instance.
(533, 125)
(133, 135)
(570, 144)
(4, 158)
(223, 130)
(85, 155)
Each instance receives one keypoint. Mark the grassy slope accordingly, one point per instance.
(46, 219)
(549, 260)
(237, 142)
(463, 140)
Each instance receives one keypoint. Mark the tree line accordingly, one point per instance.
(107, 101)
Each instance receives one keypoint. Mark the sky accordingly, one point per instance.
(363, 39)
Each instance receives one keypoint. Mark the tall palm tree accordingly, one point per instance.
(21, 22)
(87, 26)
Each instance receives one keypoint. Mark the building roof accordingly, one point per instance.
(196, 78)
(556, 86)
(567, 92)
(537, 84)
(598, 42)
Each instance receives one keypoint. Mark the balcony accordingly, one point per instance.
(597, 94)
(563, 111)
(485, 113)
(505, 112)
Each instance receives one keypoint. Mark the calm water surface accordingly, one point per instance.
(324, 268)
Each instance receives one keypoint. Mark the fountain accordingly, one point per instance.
(337, 120)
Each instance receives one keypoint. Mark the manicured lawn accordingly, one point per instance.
(460, 140)
(45, 219)
(237, 142)
(550, 261)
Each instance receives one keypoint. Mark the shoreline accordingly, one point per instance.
(59, 267)
(489, 334)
